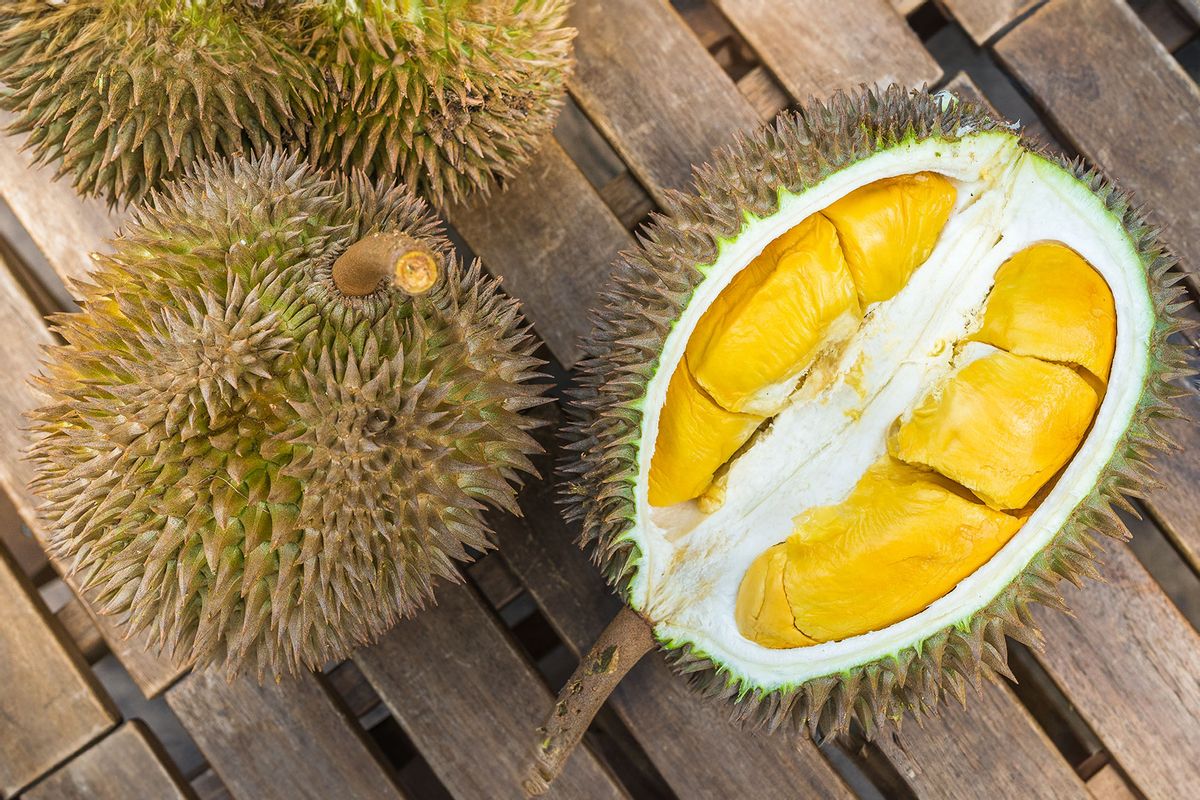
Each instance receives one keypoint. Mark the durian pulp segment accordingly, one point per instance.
(816, 450)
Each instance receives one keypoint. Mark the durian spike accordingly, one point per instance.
(622, 644)
(397, 257)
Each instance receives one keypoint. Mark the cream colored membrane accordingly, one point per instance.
(816, 449)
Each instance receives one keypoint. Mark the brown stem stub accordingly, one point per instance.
(622, 644)
(394, 257)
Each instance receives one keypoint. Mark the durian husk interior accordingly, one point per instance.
(964, 466)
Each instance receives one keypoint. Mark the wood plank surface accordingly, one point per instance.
(470, 702)
(551, 240)
(288, 740)
(983, 19)
(1137, 116)
(993, 740)
(1108, 784)
(64, 226)
(50, 704)
(816, 47)
(22, 337)
(684, 105)
(128, 763)
(1130, 663)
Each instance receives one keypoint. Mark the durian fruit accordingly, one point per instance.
(447, 95)
(123, 95)
(451, 95)
(921, 477)
(280, 415)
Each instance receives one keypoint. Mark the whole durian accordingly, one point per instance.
(280, 414)
(446, 95)
(854, 404)
(123, 95)
(449, 94)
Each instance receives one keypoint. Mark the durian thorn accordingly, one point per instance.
(622, 644)
(397, 257)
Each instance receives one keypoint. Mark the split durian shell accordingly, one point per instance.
(746, 185)
(252, 466)
(123, 95)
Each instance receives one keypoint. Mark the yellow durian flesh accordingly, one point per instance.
(903, 538)
(766, 326)
(763, 612)
(1002, 426)
(695, 437)
(1050, 303)
(888, 228)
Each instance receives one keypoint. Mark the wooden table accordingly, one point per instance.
(445, 704)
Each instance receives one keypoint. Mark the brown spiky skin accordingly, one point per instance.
(448, 96)
(253, 467)
(451, 96)
(122, 95)
(651, 287)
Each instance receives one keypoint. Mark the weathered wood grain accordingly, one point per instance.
(683, 104)
(816, 47)
(764, 93)
(1137, 115)
(1107, 784)
(50, 704)
(64, 226)
(1176, 505)
(1130, 663)
(983, 19)
(22, 337)
(1169, 23)
(14, 535)
(128, 763)
(288, 739)
(993, 740)
(551, 239)
(470, 702)
(77, 621)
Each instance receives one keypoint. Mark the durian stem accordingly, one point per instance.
(622, 644)
(396, 257)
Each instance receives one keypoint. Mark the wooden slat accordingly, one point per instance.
(906, 6)
(65, 227)
(81, 628)
(684, 105)
(551, 239)
(983, 19)
(13, 534)
(1167, 21)
(816, 47)
(1176, 505)
(1130, 663)
(692, 743)
(54, 217)
(993, 740)
(1107, 784)
(50, 705)
(764, 93)
(288, 739)
(471, 710)
(1137, 115)
(125, 764)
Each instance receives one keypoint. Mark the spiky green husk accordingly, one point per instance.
(452, 95)
(122, 95)
(254, 467)
(651, 287)
(447, 95)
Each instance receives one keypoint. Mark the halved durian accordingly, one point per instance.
(793, 599)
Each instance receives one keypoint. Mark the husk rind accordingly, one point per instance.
(654, 283)
(259, 470)
(448, 96)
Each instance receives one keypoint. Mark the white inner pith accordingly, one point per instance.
(815, 451)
